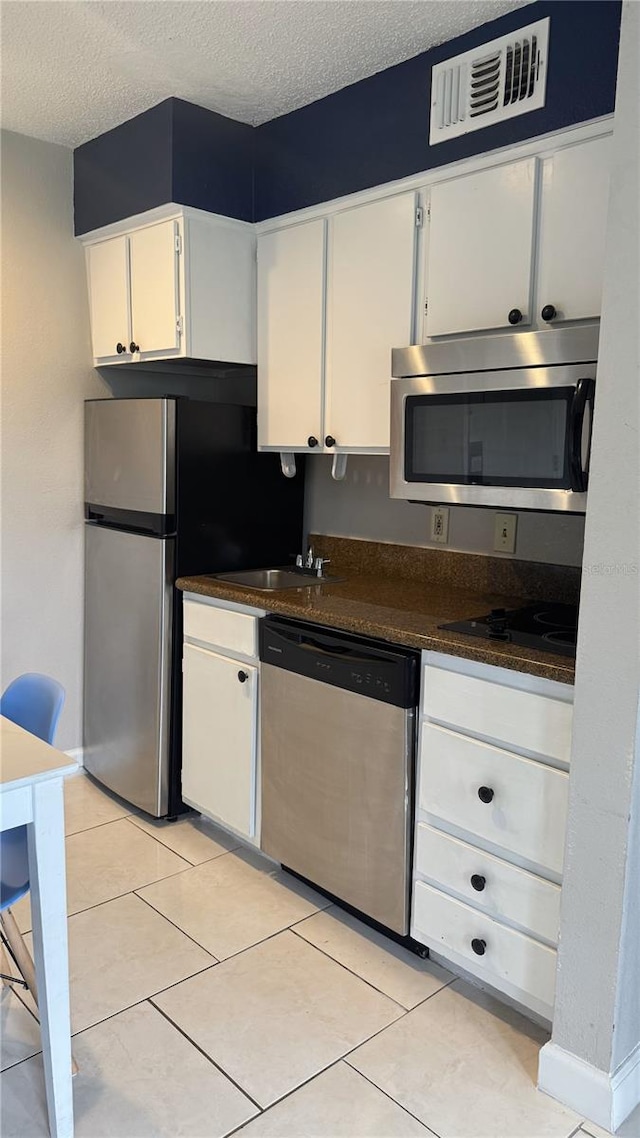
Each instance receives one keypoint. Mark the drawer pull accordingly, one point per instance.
(243, 677)
(485, 794)
(478, 882)
(479, 946)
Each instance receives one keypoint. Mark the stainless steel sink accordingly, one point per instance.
(271, 579)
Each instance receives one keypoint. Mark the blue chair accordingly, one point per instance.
(34, 702)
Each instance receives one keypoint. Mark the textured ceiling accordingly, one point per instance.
(71, 70)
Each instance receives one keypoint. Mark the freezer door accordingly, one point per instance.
(128, 649)
(130, 454)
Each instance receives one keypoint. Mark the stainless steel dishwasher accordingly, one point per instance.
(338, 742)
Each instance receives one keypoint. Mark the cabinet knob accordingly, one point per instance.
(134, 347)
(329, 441)
(485, 793)
(243, 677)
(515, 316)
(549, 312)
(479, 946)
(312, 441)
(478, 882)
(120, 348)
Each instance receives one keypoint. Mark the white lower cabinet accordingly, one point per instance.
(504, 891)
(490, 824)
(220, 720)
(503, 957)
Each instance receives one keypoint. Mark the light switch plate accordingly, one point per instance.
(504, 537)
(440, 524)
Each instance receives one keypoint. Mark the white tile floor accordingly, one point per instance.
(213, 995)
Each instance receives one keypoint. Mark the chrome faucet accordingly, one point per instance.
(309, 558)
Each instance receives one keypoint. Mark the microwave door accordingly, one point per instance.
(507, 440)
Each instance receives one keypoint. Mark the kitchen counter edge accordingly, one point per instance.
(297, 604)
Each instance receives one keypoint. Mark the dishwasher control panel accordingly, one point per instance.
(376, 670)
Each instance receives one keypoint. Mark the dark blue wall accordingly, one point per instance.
(124, 171)
(378, 129)
(175, 152)
(213, 161)
(372, 132)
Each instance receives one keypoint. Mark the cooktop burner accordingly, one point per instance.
(548, 627)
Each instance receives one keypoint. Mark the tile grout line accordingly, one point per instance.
(118, 897)
(359, 976)
(197, 1047)
(395, 1100)
(89, 1027)
(216, 959)
(194, 864)
(388, 1025)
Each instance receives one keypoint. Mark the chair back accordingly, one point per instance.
(34, 702)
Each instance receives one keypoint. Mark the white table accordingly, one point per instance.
(31, 779)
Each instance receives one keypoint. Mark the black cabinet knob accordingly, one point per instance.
(134, 347)
(120, 348)
(549, 312)
(479, 946)
(329, 441)
(312, 441)
(478, 882)
(243, 677)
(485, 793)
(515, 316)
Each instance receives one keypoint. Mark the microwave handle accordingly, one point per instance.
(582, 398)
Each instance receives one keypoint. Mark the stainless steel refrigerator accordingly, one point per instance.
(173, 487)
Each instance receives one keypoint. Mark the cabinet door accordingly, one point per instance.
(155, 292)
(108, 273)
(573, 219)
(480, 248)
(219, 737)
(291, 283)
(370, 292)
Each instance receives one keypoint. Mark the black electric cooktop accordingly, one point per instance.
(548, 627)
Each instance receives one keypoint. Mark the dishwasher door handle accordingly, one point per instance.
(308, 644)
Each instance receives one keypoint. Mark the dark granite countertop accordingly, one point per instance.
(400, 610)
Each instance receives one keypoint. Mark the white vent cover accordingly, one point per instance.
(494, 82)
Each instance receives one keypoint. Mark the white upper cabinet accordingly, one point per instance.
(370, 298)
(181, 286)
(480, 250)
(291, 291)
(327, 387)
(108, 278)
(155, 287)
(573, 218)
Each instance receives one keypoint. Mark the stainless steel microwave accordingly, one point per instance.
(501, 421)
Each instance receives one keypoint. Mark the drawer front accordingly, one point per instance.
(525, 720)
(499, 889)
(234, 631)
(527, 812)
(509, 957)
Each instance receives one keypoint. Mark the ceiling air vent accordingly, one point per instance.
(494, 82)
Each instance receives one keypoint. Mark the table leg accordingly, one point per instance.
(49, 914)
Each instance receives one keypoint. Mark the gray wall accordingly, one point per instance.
(46, 375)
(598, 994)
(360, 506)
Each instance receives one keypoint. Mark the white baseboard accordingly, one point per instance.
(76, 753)
(600, 1097)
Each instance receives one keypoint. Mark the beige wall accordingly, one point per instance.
(46, 375)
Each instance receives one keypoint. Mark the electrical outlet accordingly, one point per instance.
(440, 524)
(504, 537)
